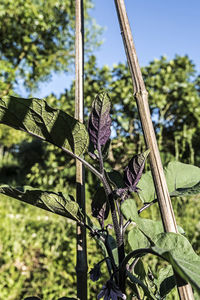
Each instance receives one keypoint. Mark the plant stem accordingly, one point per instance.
(146, 206)
(134, 263)
(126, 225)
(141, 97)
(119, 236)
(117, 227)
(136, 253)
(81, 250)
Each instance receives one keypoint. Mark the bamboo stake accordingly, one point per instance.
(141, 96)
(81, 251)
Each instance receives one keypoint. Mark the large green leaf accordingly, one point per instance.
(182, 179)
(58, 203)
(144, 231)
(166, 280)
(39, 119)
(177, 250)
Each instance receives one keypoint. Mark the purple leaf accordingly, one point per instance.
(133, 171)
(99, 120)
(100, 207)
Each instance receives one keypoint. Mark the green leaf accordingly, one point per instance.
(166, 280)
(177, 250)
(187, 191)
(173, 247)
(137, 239)
(113, 246)
(182, 179)
(37, 118)
(129, 210)
(145, 231)
(146, 290)
(139, 270)
(58, 203)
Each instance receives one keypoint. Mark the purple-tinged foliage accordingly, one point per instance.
(123, 193)
(93, 153)
(115, 179)
(100, 120)
(111, 291)
(105, 149)
(99, 206)
(133, 171)
(95, 273)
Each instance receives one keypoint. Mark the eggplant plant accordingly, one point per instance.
(114, 196)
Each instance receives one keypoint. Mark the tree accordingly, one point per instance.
(37, 38)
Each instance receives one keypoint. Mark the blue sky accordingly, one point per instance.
(159, 28)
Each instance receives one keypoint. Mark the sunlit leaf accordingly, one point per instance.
(37, 118)
(58, 203)
(182, 180)
(145, 231)
(177, 250)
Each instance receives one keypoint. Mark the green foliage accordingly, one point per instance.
(60, 204)
(37, 118)
(175, 248)
(182, 179)
(174, 99)
(166, 280)
(38, 251)
(39, 38)
(144, 230)
(8, 136)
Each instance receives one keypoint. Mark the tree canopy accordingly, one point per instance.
(36, 38)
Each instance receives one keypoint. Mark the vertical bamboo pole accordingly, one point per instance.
(81, 251)
(141, 96)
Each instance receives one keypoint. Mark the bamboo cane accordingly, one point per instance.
(141, 96)
(81, 251)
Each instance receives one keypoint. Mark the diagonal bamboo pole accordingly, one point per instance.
(81, 251)
(141, 96)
